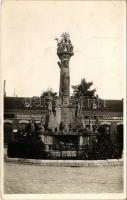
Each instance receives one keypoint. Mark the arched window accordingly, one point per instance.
(23, 124)
(106, 126)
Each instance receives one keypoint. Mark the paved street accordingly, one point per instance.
(20, 178)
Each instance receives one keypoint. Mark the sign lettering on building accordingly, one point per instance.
(39, 102)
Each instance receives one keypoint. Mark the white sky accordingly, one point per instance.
(29, 60)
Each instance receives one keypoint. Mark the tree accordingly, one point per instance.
(51, 92)
(83, 90)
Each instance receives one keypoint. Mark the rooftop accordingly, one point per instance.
(26, 103)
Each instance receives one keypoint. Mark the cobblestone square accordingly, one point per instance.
(24, 178)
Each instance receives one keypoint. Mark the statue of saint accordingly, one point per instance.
(49, 103)
(32, 125)
(50, 107)
(83, 122)
(78, 107)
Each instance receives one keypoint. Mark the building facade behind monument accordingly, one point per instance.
(18, 114)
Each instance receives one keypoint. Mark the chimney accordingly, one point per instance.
(4, 88)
